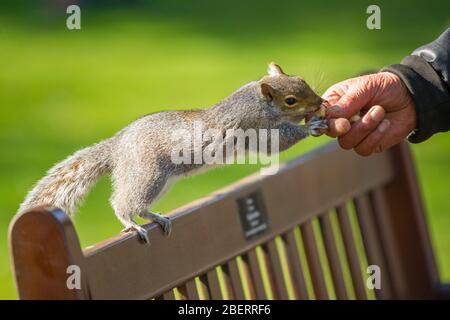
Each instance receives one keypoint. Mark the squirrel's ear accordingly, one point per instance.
(274, 70)
(267, 91)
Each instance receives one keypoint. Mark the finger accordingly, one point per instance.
(349, 104)
(338, 127)
(371, 144)
(362, 128)
(331, 97)
(391, 138)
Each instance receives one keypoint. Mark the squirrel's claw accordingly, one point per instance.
(164, 222)
(141, 231)
(166, 225)
(143, 234)
(317, 126)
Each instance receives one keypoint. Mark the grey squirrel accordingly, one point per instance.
(138, 156)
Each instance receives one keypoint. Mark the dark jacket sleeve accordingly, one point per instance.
(426, 74)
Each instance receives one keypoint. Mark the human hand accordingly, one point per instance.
(387, 110)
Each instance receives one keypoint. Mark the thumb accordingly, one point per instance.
(349, 104)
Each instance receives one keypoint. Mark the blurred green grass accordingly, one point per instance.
(61, 90)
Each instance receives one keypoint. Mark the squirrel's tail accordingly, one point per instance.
(66, 184)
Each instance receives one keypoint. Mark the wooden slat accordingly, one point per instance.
(383, 220)
(236, 281)
(351, 252)
(270, 273)
(293, 255)
(227, 282)
(312, 255)
(284, 209)
(191, 290)
(213, 284)
(372, 242)
(333, 256)
(169, 295)
(275, 264)
(182, 292)
(204, 287)
(247, 276)
(256, 274)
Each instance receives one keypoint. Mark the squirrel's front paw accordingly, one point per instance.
(317, 126)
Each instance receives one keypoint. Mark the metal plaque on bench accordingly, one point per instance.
(253, 214)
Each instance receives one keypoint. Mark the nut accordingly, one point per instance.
(355, 118)
(321, 113)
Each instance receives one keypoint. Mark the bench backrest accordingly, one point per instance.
(309, 231)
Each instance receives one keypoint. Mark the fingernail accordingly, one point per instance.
(384, 125)
(377, 114)
(342, 126)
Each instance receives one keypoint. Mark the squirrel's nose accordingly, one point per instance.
(320, 101)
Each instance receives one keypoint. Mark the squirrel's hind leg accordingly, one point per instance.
(137, 183)
(164, 222)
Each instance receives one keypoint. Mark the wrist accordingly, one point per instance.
(431, 98)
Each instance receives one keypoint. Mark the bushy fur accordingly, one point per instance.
(70, 180)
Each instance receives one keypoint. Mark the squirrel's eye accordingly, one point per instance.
(290, 101)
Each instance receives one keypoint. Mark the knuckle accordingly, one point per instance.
(363, 152)
(367, 126)
(344, 144)
(332, 132)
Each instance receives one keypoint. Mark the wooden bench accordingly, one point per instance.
(309, 231)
